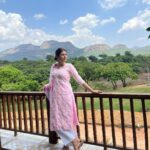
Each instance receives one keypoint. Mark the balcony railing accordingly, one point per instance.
(108, 120)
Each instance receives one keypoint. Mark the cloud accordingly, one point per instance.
(110, 4)
(85, 23)
(142, 20)
(82, 28)
(82, 40)
(143, 1)
(11, 26)
(13, 31)
(89, 21)
(106, 21)
(146, 1)
(39, 16)
(62, 22)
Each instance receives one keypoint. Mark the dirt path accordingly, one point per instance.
(118, 131)
(117, 122)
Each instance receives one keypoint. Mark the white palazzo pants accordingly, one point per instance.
(67, 136)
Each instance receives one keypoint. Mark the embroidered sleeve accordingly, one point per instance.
(76, 75)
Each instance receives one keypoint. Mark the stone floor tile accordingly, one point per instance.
(33, 142)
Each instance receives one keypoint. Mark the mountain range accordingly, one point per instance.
(33, 52)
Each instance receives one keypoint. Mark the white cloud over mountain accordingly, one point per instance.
(13, 31)
(83, 26)
(142, 20)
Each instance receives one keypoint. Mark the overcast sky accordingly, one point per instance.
(82, 22)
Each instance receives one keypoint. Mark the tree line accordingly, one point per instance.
(29, 75)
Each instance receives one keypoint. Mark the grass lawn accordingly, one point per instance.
(135, 89)
(126, 102)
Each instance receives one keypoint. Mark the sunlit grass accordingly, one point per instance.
(115, 101)
(135, 89)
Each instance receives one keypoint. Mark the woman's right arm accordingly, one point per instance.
(78, 78)
(86, 86)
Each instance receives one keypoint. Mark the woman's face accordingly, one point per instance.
(62, 57)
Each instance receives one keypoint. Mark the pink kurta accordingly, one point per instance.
(63, 113)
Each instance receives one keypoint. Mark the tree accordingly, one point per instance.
(35, 70)
(118, 57)
(9, 74)
(125, 71)
(93, 58)
(114, 72)
(25, 59)
(49, 57)
(103, 56)
(128, 57)
(148, 29)
(81, 58)
(90, 71)
(22, 85)
(109, 73)
(104, 59)
(14, 79)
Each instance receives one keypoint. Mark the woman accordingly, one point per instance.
(63, 113)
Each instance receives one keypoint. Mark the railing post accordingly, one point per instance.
(14, 115)
(53, 138)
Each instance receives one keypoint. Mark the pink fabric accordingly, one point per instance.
(63, 113)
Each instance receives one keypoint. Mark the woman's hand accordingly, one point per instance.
(86, 86)
(45, 87)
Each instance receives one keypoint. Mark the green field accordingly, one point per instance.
(135, 89)
(126, 103)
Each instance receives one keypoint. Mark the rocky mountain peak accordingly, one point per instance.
(120, 46)
(52, 43)
(100, 47)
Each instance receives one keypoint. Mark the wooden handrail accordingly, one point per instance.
(28, 112)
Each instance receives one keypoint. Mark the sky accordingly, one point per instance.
(82, 22)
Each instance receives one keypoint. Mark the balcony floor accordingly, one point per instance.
(33, 142)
